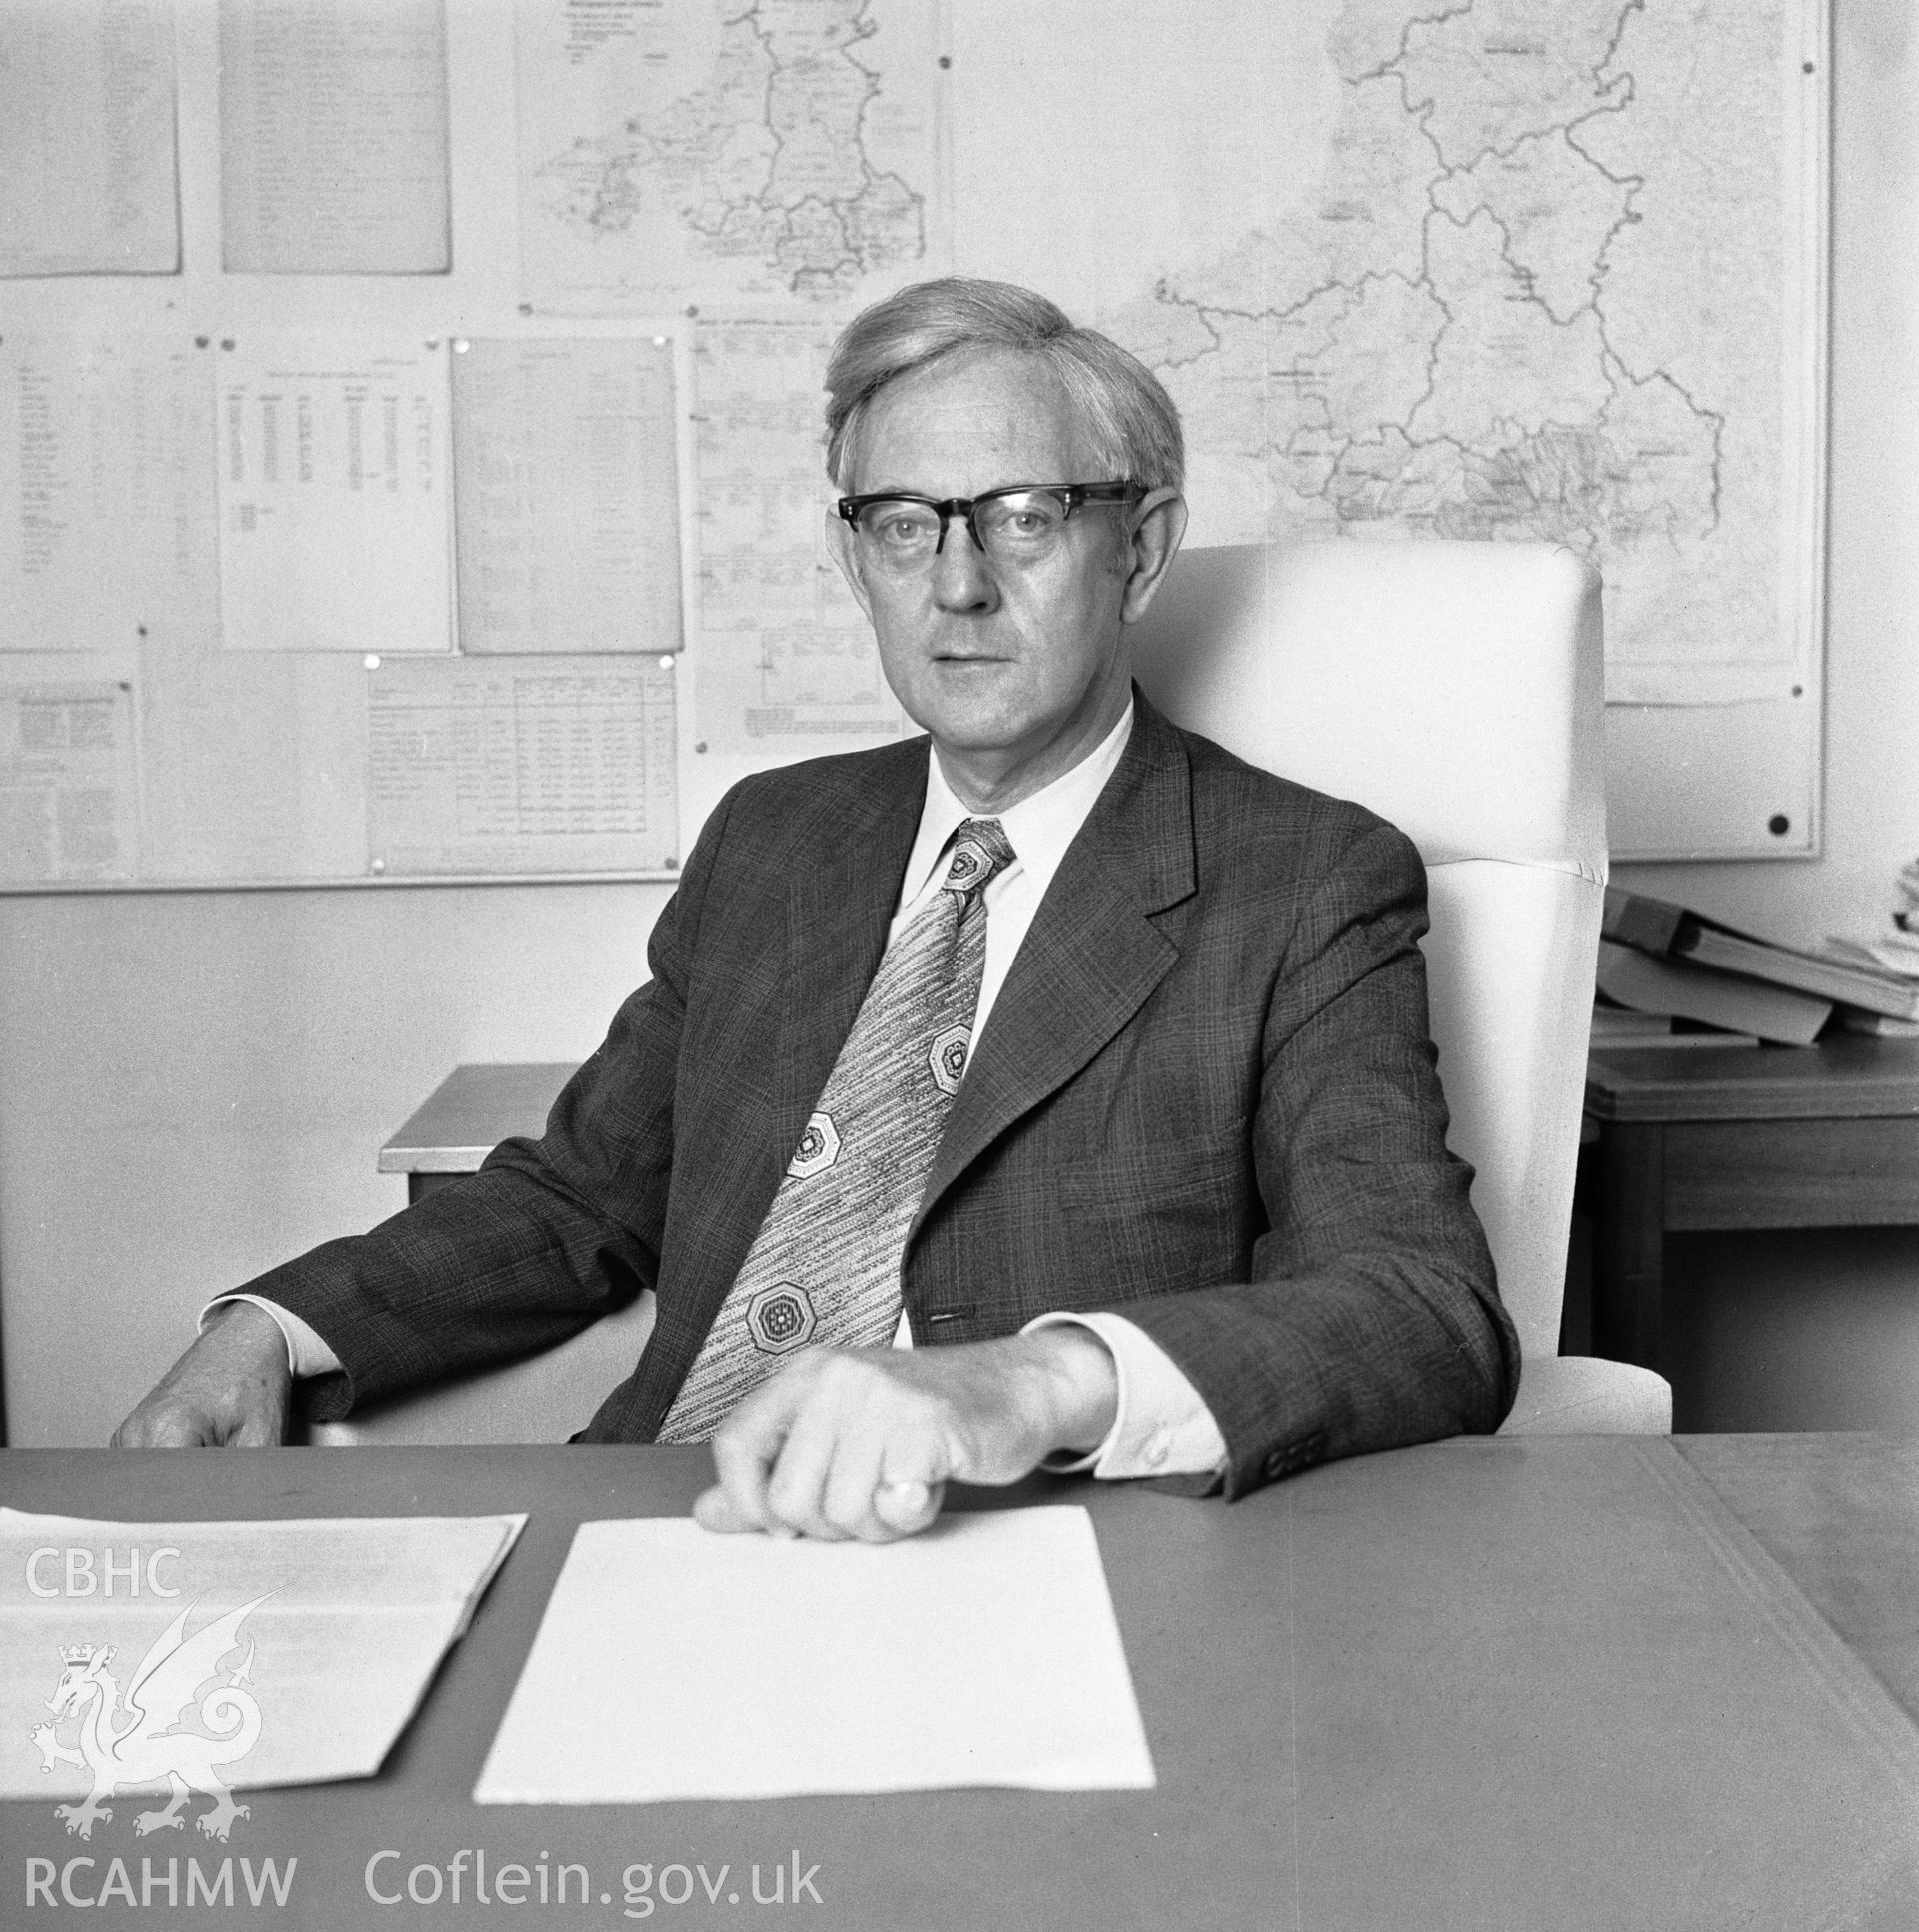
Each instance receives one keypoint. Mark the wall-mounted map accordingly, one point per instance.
(721, 152)
(1479, 268)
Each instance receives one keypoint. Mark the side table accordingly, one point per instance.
(1772, 1136)
(467, 1115)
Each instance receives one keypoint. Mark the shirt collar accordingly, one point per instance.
(1039, 828)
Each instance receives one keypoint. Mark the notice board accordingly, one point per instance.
(409, 416)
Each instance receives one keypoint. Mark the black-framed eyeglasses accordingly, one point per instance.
(1017, 525)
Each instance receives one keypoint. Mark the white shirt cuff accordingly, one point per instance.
(307, 1355)
(1163, 1428)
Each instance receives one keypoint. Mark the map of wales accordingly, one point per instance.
(1508, 268)
(1540, 294)
(743, 146)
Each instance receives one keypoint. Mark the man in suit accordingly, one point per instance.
(1168, 1194)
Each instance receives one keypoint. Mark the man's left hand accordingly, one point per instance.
(861, 1442)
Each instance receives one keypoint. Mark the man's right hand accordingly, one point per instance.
(231, 1389)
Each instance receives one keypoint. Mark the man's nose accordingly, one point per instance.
(962, 578)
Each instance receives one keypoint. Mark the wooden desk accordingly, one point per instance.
(467, 1115)
(1707, 1141)
(1389, 1816)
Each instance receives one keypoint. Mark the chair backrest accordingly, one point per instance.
(1456, 689)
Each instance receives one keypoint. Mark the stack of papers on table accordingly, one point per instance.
(303, 1648)
(673, 1663)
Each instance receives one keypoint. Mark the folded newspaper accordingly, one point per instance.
(182, 1661)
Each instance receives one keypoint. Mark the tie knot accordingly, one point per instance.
(979, 850)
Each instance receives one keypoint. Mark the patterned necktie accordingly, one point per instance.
(823, 1271)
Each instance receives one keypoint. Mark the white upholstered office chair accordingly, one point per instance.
(1455, 687)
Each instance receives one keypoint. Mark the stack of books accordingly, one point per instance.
(1614, 1027)
(1669, 977)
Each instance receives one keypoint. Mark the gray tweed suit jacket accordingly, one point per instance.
(1206, 1099)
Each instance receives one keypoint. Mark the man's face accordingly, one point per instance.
(1017, 670)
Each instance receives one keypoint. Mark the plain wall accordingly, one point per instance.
(194, 1086)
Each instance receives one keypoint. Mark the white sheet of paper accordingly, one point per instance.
(69, 783)
(87, 172)
(787, 663)
(673, 1663)
(333, 137)
(106, 485)
(307, 1645)
(519, 765)
(565, 474)
(335, 526)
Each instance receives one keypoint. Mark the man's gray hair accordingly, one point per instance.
(1121, 407)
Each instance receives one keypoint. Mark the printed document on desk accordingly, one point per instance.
(675, 1663)
(219, 1655)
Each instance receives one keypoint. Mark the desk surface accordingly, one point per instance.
(1224, 1614)
(1849, 1078)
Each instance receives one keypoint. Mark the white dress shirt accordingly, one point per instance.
(1163, 1427)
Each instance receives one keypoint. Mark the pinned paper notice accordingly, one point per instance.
(335, 526)
(673, 1663)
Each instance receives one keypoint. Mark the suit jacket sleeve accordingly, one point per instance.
(547, 1237)
(1371, 1318)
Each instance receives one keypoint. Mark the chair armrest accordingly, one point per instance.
(544, 1398)
(1581, 1395)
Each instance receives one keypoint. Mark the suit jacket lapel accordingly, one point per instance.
(838, 906)
(1093, 953)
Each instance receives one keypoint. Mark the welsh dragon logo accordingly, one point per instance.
(138, 1742)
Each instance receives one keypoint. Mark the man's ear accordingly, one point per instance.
(1162, 523)
(846, 553)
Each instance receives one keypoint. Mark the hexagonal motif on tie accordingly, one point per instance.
(780, 1319)
(818, 1148)
(947, 1059)
(969, 862)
